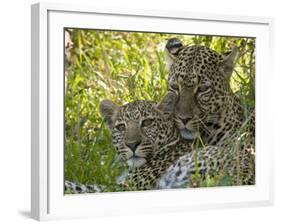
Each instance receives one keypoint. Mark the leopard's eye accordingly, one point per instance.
(121, 127)
(147, 122)
(175, 87)
(203, 88)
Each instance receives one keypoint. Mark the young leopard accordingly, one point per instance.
(199, 94)
(150, 143)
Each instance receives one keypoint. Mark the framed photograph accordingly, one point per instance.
(148, 111)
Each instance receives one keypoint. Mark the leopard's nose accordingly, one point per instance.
(133, 145)
(185, 120)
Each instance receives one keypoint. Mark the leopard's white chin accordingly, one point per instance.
(187, 134)
(136, 161)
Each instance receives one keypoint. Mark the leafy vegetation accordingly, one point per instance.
(125, 66)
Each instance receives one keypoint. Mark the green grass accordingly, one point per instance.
(125, 66)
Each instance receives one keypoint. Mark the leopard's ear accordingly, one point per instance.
(167, 105)
(172, 49)
(109, 111)
(227, 65)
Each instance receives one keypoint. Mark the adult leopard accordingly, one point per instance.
(199, 93)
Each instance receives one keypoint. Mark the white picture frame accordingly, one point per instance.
(48, 200)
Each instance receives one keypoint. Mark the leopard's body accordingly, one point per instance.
(151, 145)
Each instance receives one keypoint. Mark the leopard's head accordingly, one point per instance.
(198, 85)
(138, 130)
